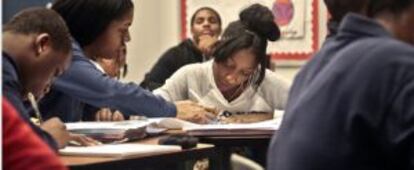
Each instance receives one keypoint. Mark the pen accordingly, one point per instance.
(33, 102)
(196, 96)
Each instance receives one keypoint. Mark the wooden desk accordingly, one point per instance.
(169, 160)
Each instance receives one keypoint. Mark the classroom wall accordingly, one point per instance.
(156, 28)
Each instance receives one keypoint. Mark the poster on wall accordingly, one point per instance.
(297, 19)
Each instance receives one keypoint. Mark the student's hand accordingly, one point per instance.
(83, 140)
(57, 130)
(206, 44)
(193, 112)
(105, 114)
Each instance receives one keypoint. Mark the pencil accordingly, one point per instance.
(33, 102)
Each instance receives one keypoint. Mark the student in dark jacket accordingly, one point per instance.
(337, 9)
(100, 29)
(358, 112)
(35, 50)
(205, 28)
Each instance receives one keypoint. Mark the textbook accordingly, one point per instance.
(107, 132)
(117, 150)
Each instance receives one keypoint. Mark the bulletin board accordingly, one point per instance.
(297, 19)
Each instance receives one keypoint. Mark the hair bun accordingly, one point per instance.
(260, 20)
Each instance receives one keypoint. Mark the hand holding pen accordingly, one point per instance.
(193, 112)
(220, 115)
(57, 129)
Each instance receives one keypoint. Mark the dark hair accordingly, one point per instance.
(339, 8)
(41, 20)
(88, 19)
(255, 27)
(208, 9)
(394, 6)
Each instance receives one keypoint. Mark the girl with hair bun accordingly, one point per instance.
(236, 80)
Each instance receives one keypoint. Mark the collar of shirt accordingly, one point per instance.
(358, 24)
(97, 66)
(333, 28)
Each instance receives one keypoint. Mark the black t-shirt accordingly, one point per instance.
(172, 60)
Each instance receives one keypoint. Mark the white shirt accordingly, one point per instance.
(196, 82)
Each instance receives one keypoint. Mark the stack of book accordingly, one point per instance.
(108, 132)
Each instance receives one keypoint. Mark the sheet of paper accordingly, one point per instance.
(264, 125)
(132, 124)
(173, 123)
(118, 150)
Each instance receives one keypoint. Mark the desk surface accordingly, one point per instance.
(142, 160)
(220, 154)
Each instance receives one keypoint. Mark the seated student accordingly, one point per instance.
(237, 79)
(205, 28)
(22, 148)
(337, 9)
(358, 112)
(84, 84)
(30, 43)
(113, 67)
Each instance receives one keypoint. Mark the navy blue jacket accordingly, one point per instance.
(12, 90)
(358, 112)
(84, 84)
(309, 71)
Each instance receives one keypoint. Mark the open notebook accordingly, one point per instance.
(118, 150)
(260, 128)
